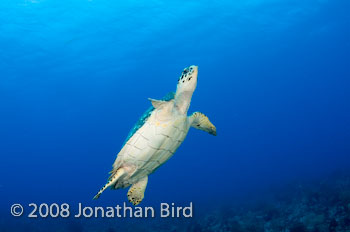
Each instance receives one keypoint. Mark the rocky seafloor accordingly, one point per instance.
(314, 206)
(321, 205)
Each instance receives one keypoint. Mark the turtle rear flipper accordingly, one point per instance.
(111, 181)
(137, 191)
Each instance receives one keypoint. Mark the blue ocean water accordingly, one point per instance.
(274, 78)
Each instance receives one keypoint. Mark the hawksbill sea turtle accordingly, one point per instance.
(156, 137)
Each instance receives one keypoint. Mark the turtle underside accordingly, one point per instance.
(150, 145)
(156, 137)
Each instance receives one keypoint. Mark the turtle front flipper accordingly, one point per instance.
(137, 191)
(199, 121)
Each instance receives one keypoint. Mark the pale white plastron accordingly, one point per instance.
(156, 137)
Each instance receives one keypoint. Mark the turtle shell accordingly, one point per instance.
(169, 96)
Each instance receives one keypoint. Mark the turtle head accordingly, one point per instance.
(188, 80)
(186, 85)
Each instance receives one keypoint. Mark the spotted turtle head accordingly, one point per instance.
(188, 80)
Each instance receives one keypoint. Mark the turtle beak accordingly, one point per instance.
(190, 70)
(193, 68)
(188, 79)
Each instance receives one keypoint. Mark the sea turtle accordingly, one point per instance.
(156, 137)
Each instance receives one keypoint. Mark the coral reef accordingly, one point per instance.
(303, 206)
(321, 206)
